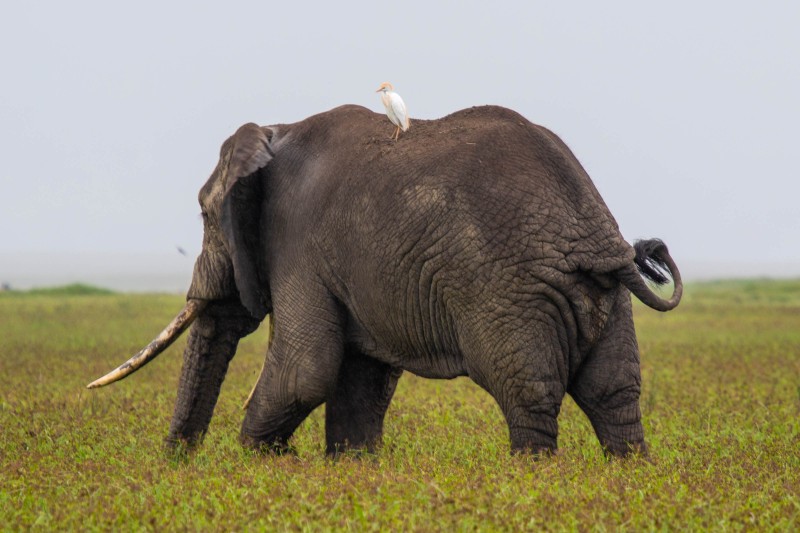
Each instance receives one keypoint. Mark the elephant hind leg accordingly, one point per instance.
(355, 411)
(533, 420)
(522, 366)
(608, 384)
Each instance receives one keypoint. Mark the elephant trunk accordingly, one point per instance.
(212, 343)
(178, 325)
(652, 259)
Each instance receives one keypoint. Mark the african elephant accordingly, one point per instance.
(476, 245)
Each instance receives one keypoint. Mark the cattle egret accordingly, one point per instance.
(395, 108)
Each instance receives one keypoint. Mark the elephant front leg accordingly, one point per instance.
(291, 385)
(212, 343)
(299, 374)
(355, 411)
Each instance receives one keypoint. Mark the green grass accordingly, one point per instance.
(721, 405)
(74, 289)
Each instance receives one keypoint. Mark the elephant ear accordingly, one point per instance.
(249, 152)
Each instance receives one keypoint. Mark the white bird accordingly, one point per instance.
(395, 108)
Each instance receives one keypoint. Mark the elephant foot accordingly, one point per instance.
(536, 452)
(357, 449)
(626, 450)
(267, 447)
(179, 450)
(539, 443)
(182, 445)
(345, 451)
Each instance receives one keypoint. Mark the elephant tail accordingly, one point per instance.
(652, 262)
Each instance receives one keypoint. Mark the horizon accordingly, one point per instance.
(171, 272)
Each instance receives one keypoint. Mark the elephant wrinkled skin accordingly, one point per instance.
(476, 245)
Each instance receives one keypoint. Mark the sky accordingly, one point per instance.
(685, 115)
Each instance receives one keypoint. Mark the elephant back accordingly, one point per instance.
(514, 187)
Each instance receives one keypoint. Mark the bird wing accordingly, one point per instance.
(399, 110)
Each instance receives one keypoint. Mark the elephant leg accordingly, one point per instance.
(211, 345)
(299, 373)
(526, 376)
(608, 384)
(355, 410)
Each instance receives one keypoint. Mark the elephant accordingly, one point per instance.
(475, 245)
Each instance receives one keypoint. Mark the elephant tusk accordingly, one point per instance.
(178, 325)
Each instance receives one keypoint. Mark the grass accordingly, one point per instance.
(74, 289)
(721, 405)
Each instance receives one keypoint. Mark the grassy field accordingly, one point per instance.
(721, 405)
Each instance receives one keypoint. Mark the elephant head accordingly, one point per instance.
(474, 245)
(227, 298)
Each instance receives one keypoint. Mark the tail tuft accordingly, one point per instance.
(650, 260)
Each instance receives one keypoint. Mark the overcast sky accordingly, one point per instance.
(685, 114)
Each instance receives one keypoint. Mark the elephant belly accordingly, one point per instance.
(424, 361)
(437, 366)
